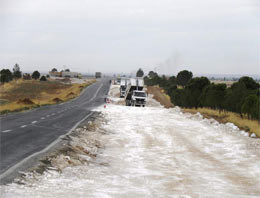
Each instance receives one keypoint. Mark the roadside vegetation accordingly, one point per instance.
(238, 103)
(160, 96)
(22, 92)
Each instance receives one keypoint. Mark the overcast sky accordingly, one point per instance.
(204, 36)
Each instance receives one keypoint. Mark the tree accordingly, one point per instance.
(213, 96)
(67, 70)
(198, 83)
(5, 75)
(43, 78)
(173, 80)
(48, 76)
(249, 82)
(183, 77)
(152, 74)
(140, 73)
(236, 95)
(16, 71)
(54, 70)
(163, 82)
(194, 89)
(147, 81)
(170, 85)
(179, 97)
(36, 75)
(251, 106)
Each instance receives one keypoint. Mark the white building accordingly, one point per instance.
(70, 74)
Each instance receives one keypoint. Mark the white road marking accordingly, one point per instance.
(53, 114)
(43, 118)
(23, 126)
(34, 122)
(47, 115)
(95, 95)
(5, 131)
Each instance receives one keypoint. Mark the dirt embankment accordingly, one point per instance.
(159, 95)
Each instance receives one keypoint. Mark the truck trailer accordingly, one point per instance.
(123, 85)
(98, 75)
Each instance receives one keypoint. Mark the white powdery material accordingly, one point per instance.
(231, 126)
(244, 133)
(199, 115)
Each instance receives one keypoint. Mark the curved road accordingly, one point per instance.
(23, 134)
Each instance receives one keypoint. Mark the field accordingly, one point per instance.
(252, 126)
(26, 94)
(227, 82)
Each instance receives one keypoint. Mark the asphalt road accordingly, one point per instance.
(23, 134)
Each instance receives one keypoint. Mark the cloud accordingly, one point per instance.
(120, 35)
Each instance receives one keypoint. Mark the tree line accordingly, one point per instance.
(6, 75)
(186, 91)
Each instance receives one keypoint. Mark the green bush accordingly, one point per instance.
(43, 78)
(5, 75)
(242, 97)
(36, 75)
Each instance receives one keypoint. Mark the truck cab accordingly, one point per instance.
(138, 98)
(135, 95)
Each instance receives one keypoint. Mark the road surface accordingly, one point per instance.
(23, 134)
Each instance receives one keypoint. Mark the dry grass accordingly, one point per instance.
(160, 96)
(38, 92)
(252, 126)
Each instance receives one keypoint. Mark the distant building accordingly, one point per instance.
(70, 74)
(27, 76)
(65, 74)
(55, 74)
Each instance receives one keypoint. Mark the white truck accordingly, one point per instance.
(134, 95)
